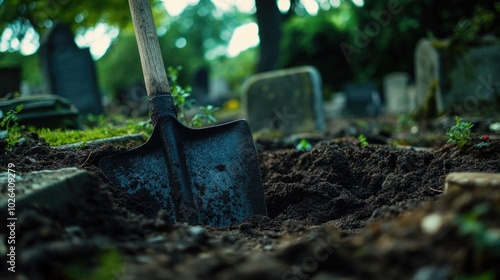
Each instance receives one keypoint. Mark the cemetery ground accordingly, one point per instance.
(337, 211)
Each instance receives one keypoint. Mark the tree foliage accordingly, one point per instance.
(40, 14)
(377, 38)
(199, 31)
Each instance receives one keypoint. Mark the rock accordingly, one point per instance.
(288, 100)
(463, 181)
(50, 188)
(432, 272)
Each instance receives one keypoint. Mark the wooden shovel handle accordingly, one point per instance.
(155, 76)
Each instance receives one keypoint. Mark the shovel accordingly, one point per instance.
(199, 176)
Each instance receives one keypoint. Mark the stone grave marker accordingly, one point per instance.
(396, 93)
(288, 100)
(43, 110)
(474, 79)
(10, 80)
(427, 71)
(467, 81)
(362, 100)
(54, 189)
(70, 71)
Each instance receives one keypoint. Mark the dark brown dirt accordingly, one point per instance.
(338, 210)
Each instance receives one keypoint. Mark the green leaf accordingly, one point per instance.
(4, 134)
(19, 108)
(303, 145)
(211, 119)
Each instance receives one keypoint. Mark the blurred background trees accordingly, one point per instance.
(291, 32)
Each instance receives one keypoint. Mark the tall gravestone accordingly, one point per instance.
(397, 97)
(474, 78)
(468, 79)
(427, 71)
(288, 100)
(70, 71)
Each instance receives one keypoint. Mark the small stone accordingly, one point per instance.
(197, 230)
(432, 272)
(30, 160)
(156, 239)
(432, 223)
(144, 259)
(463, 181)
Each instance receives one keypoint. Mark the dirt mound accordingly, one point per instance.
(341, 183)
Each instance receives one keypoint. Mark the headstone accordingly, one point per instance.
(70, 71)
(468, 80)
(48, 111)
(475, 79)
(362, 100)
(288, 100)
(396, 93)
(54, 189)
(427, 71)
(10, 80)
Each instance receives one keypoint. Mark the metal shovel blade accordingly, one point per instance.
(199, 176)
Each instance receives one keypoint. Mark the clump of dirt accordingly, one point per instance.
(337, 210)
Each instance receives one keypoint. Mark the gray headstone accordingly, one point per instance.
(53, 189)
(288, 100)
(468, 80)
(397, 97)
(10, 80)
(427, 71)
(70, 71)
(362, 100)
(474, 79)
(48, 111)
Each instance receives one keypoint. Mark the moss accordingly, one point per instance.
(62, 137)
(428, 110)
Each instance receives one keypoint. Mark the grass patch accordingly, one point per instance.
(62, 137)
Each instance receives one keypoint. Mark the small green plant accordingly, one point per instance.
(362, 140)
(183, 103)
(485, 143)
(303, 145)
(9, 128)
(460, 132)
(206, 116)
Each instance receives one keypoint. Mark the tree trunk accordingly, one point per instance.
(269, 19)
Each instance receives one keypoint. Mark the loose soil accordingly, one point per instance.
(338, 211)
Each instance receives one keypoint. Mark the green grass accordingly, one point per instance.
(61, 137)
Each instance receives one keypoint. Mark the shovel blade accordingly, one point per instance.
(221, 165)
